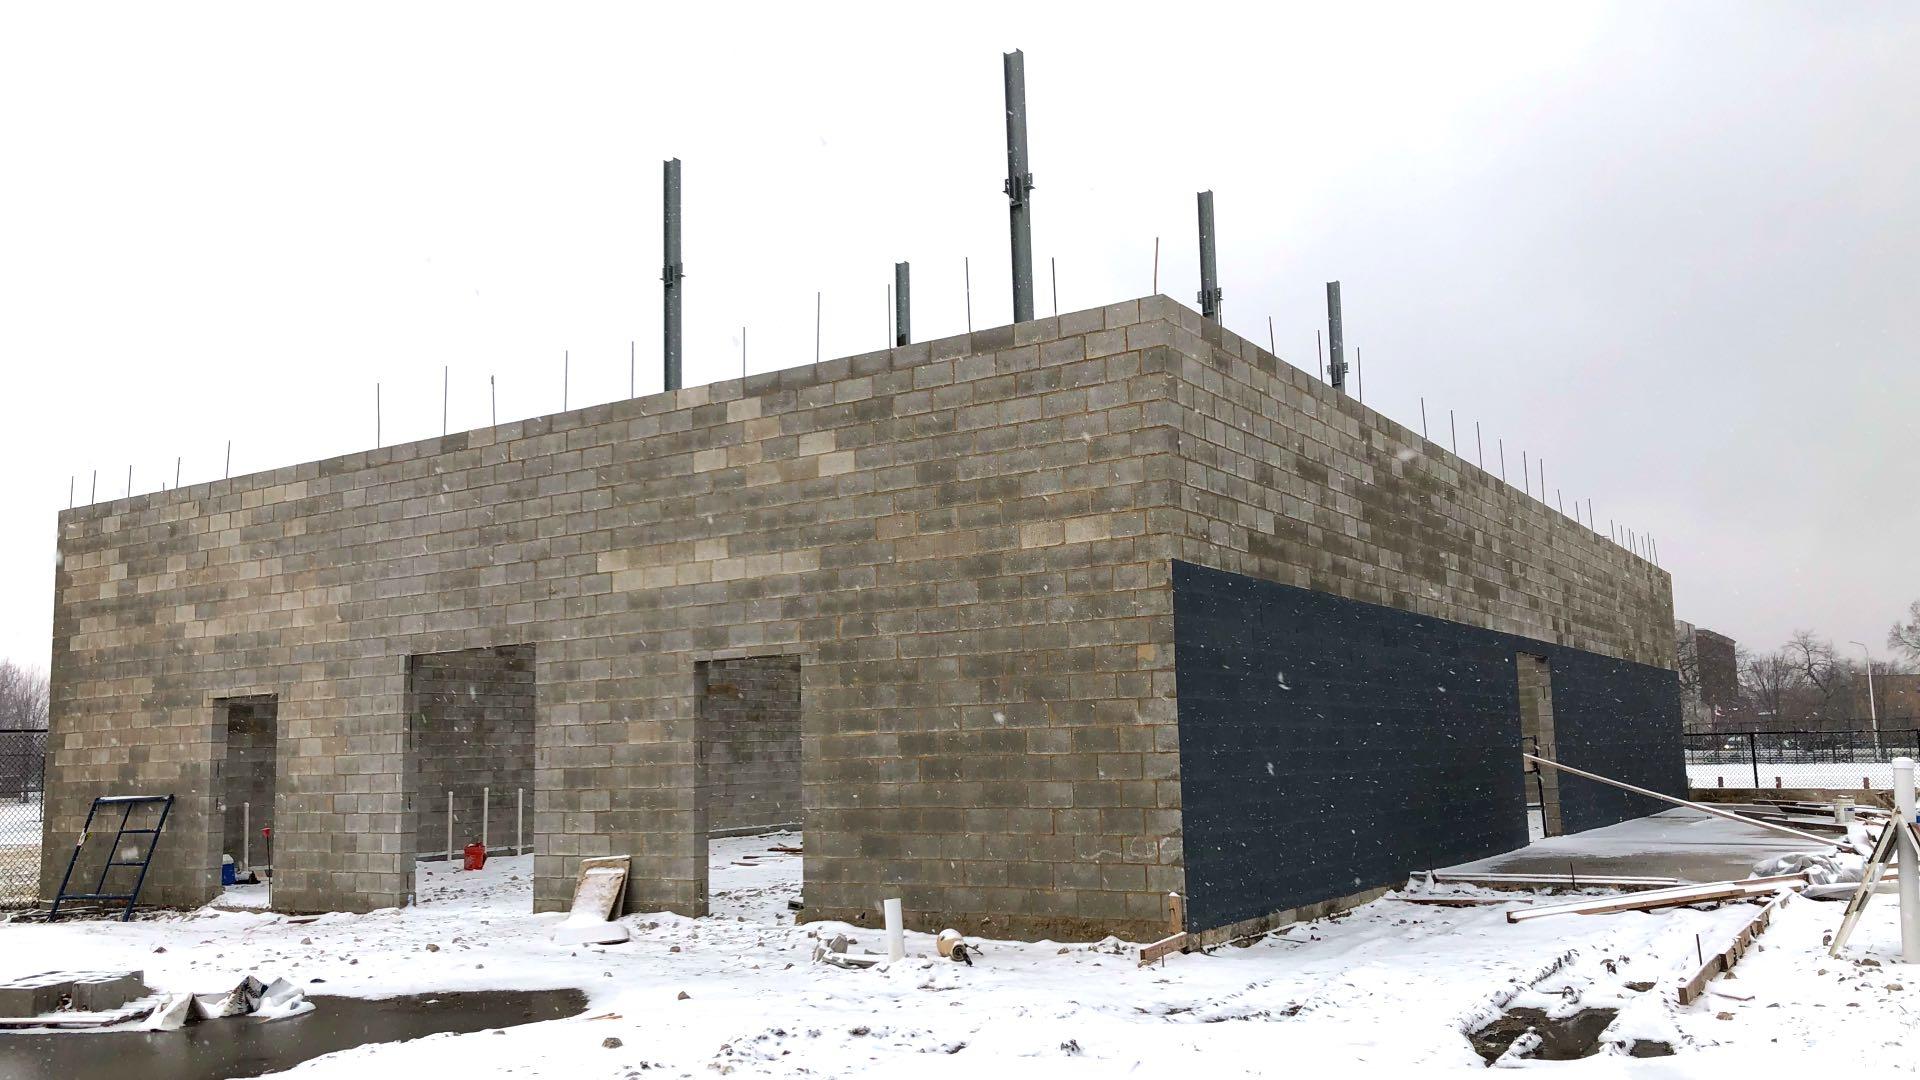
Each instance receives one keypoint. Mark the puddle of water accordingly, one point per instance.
(240, 1047)
(1564, 1039)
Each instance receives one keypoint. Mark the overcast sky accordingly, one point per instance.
(1672, 249)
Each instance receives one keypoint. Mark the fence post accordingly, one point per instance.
(1753, 756)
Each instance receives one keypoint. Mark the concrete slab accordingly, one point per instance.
(1679, 843)
(78, 991)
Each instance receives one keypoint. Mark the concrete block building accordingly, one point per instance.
(1029, 627)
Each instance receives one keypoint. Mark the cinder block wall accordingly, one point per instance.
(750, 742)
(966, 541)
(473, 717)
(249, 766)
(1288, 480)
(952, 536)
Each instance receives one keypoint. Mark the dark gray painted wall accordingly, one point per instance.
(1329, 746)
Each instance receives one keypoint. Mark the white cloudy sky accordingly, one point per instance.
(1672, 248)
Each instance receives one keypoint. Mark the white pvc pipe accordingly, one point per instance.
(1824, 841)
(896, 930)
(246, 835)
(519, 821)
(486, 796)
(449, 826)
(1903, 801)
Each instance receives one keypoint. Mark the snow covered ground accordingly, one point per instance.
(1390, 986)
(1837, 776)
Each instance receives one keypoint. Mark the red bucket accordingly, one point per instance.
(476, 856)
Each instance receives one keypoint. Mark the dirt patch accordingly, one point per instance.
(1564, 1039)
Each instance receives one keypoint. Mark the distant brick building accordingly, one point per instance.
(1709, 677)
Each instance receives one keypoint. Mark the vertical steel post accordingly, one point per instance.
(485, 800)
(1209, 271)
(1019, 185)
(449, 825)
(246, 835)
(1336, 348)
(1753, 757)
(519, 821)
(671, 272)
(902, 306)
(1909, 855)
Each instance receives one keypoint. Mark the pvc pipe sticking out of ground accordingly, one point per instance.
(896, 930)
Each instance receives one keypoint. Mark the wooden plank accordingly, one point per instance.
(1545, 881)
(1164, 947)
(1869, 877)
(1724, 960)
(1458, 901)
(1691, 894)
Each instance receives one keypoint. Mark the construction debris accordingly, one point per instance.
(1829, 876)
(596, 901)
(1724, 960)
(267, 1001)
(1458, 901)
(1551, 882)
(79, 1000)
(954, 947)
(1905, 834)
(1677, 897)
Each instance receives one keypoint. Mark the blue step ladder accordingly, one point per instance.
(126, 804)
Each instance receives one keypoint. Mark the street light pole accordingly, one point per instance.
(1873, 710)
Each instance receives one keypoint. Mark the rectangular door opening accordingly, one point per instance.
(249, 769)
(747, 786)
(1536, 738)
(470, 732)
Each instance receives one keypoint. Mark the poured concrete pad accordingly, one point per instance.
(243, 1046)
(1677, 843)
(73, 991)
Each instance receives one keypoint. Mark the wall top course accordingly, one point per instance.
(777, 391)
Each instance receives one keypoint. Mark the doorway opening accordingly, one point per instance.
(1536, 738)
(747, 792)
(249, 771)
(470, 732)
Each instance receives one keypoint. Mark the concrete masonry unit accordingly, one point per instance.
(959, 554)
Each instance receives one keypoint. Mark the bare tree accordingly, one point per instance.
(23, 696)
(23, 708)
(1822, 671)
(1905, 636)
(1770, 682)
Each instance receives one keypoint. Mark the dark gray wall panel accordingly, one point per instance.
(1329, 746)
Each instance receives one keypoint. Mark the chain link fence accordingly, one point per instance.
(1847, 760)
(23, 758)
